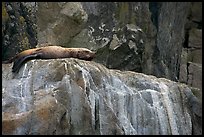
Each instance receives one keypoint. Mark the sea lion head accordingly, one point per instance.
(86, 54)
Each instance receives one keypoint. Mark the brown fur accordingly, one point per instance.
(50, 52)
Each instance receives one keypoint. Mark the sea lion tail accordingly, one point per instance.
(21, 60)
(9, 61)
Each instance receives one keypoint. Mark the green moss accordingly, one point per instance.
(145, 28)
(122, 12)
(5, 15)
(24, 42)
(21, 20)
(133, 19)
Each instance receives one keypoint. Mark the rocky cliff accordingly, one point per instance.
(71, 96)
(19, 29)
(158, 38)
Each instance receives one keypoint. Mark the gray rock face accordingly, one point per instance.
(195, 75)
(71, 96)
(145, 37)
(145, 31)
(120, 33)
(63, 21)
(191, 58)
(78, 97)
(170, 38)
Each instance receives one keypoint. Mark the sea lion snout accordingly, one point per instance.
(87, 55)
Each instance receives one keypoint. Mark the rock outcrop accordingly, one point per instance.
(146, 37)
(19, 29)
(71, 96)
(64, 20)
(191, 57)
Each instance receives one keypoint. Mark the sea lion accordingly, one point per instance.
(50, 52)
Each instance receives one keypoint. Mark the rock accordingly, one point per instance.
(116, 28)
(161, 30)
(183, 74)
(195, 38)
(9, 8)
(170, 37)
(147, 37)
(196, 12)
(82, 40)
(115, 43)
(19, 23)
(191, 59)
(71, 96)
(145, 31)
(191, 64)
(195, 55)
(195, 75)
(63, 21)
(75, 11)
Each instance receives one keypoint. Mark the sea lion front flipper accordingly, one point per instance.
(21, 60)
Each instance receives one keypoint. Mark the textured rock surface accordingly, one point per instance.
(194, 75)
(18, 27)
(63, 21)
(71, 96)
(191, 58)
(121, 33)
(170, 38)
(159, 38)
(146, 37)
(142, 42)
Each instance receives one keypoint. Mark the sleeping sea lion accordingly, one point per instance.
(50, 52)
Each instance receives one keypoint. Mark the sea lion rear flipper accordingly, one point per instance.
(9, 61)
(21, 60)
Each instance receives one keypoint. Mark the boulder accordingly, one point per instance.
(71, 96)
